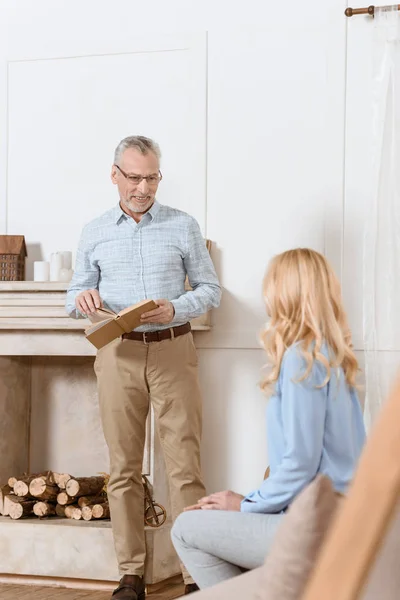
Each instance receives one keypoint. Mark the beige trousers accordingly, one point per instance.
(130, 374)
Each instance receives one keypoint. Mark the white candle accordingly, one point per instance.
(66, 259)
(41, 270)
(65, 274)
(55, 266)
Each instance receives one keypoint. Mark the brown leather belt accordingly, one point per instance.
(157, 336)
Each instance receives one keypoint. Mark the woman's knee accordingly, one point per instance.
(184, 525)
(178, 527)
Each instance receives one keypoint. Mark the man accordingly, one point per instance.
(140, 249)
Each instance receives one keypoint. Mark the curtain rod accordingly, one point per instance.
(370, 10)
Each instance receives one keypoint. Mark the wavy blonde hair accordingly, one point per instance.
(303, 300)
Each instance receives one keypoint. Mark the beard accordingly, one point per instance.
(137, 207)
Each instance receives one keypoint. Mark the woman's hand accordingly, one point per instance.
(220, 501)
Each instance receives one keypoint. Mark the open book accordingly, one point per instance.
(107, 325)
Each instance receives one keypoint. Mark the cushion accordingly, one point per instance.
(297, 542)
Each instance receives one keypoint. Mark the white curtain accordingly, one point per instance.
(381, 277)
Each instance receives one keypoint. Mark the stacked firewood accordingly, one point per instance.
(55, 494)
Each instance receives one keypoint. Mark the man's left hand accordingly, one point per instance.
(219, 501)
(163, 314)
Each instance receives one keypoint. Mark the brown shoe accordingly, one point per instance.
(131, 587)
(190, 588)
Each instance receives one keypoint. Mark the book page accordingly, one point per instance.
(101, 315)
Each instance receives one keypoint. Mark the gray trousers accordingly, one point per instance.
(215, 545)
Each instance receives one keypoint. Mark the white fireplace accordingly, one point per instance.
(50, 420)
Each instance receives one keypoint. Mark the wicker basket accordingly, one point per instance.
(12, 257)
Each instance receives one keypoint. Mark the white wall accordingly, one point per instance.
(248, 104)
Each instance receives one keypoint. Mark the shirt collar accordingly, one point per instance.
(154, 209)
(119, 214)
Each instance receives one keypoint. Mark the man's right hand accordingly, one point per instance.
(88, 301)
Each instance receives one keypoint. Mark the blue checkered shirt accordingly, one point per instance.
(129, 262)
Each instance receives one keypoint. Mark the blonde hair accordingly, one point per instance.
(303, 300)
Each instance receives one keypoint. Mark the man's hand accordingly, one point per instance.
(88, 301)
(163, 314)
(219, 501)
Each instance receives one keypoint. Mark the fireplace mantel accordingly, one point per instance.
(33, 321)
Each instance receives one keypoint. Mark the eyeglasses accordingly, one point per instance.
(136, 179)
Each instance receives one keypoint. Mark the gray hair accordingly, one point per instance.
(139, 142)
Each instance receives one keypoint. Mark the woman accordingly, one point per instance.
(314, 417)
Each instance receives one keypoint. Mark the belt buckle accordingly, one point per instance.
(144, 337)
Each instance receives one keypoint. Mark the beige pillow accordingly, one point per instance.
(297, 542)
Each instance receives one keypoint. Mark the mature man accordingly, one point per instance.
(141, 249)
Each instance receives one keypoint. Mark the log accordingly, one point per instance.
(40, 488)
(73, 512)
(12, 481)
(68, 510)
(64, 499)
(90, 500)
(61, 479)
(101, 511)
(5, 490)
(8, 500)
(77, 514)
(44, 509)
(60, 510)
(21, 486)
(87, 513)
(19, 508)
(85, 486)
(97, 511)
